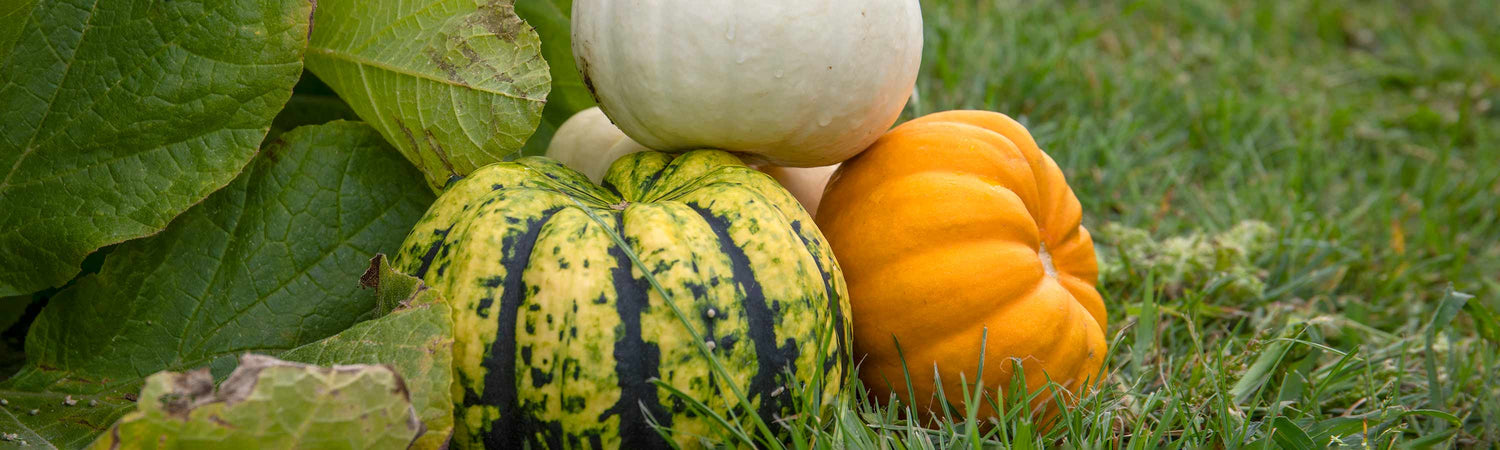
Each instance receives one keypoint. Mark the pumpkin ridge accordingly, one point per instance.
(897, 184)
(500, 374)
(779, 207)
(1067, 271)
(1094, 319)
(533, 292)
(570, 324)
(704, 180)
(992, 241)
(432, 252)
(570, 182)
(636, 361)
(759, 316)
(840, 334)
(1076, 313)
(1024, 144)
(1001, 148)
(997, 308)
(1049, 349)
(989, 181)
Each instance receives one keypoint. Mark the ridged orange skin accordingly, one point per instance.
(942, 228)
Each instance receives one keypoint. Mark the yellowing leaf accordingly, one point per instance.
(416, 340)
(269, 403)
(454, 84)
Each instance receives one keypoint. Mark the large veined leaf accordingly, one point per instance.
(416, 340)
(267, 264)
(12, 18)
(118, 115)
(269, 403)
(312, 103)
(454, 84)
(553, 22)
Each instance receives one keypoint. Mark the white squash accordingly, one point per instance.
(588, 143)
(799, 83)
(805, 183)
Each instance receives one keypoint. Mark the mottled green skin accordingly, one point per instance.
(558, 334)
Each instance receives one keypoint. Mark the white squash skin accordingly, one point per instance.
(799, 83)
(589, 143)
(805, 183)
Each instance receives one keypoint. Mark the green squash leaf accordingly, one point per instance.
(553, 22)
(13, 16)
(454, 84)
(264, 265)
(120, 115)
(416, 340)
(269, 403)
(312, 103)
(59, 420)
(304, 110)
(13, 308)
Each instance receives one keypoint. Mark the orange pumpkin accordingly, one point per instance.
(952, 224)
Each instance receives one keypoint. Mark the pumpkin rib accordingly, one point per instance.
(761, 327)
(1089, 301)
(549, 308)
(1071, 349)
(1042, 165)
(1008, 316)
(938, 327)
(549, 320)
(499, 371)
(998, 159)
(916, 225)
(1068, 343)
(1047, 175)
(638, 395)
(913, 187)
(778, 209)
(1003, 146)
(763, 385)
(685, 255)
(760, 190)
(559, 326)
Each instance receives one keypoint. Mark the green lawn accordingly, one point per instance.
(1366, 134)
(1295, 204)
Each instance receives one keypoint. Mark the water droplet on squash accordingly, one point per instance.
(779, 73)
(824, 121)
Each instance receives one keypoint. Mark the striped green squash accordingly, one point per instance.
(559, 334)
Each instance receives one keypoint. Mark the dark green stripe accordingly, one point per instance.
(642, 178)
(771, 359)
(500, 366)
(432, 252)
(636, 361)
(833, 304)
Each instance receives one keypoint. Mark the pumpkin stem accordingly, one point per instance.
(620, 206)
